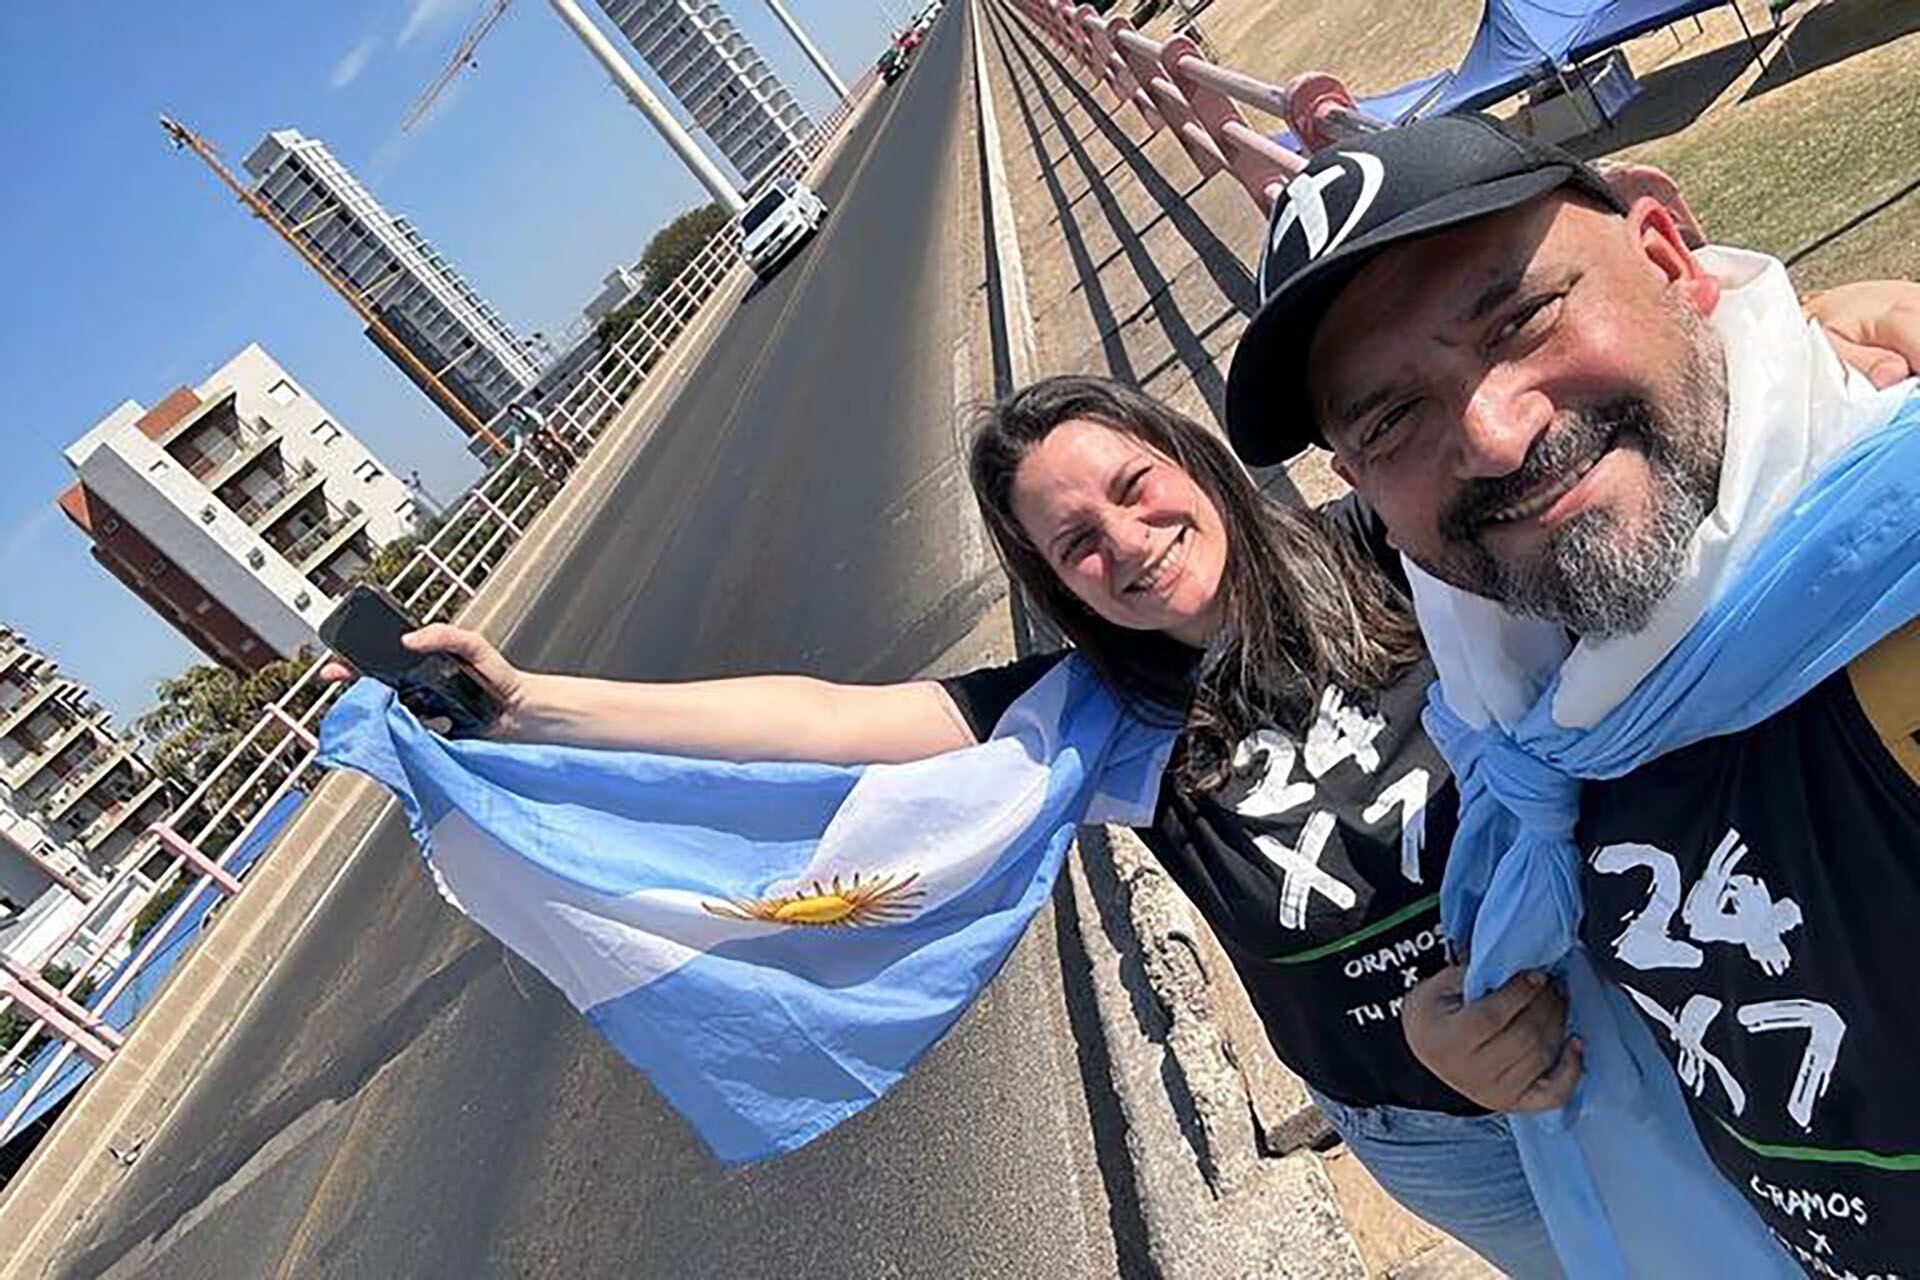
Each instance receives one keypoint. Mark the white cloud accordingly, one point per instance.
(422, 14)
(352, 63)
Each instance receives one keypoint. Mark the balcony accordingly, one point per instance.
(206, 408)
(115, 815)
(89, 775)
(48, 751)
(245, 450)
(23, 710)
(264, 512)
(318, 544)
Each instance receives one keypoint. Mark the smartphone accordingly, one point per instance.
(365, 629)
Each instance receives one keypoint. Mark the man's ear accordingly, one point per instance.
(1662, 241)
(1631, 180)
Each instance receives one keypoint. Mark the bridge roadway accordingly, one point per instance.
(405, 1101)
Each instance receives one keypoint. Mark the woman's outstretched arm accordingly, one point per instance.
(774, 717)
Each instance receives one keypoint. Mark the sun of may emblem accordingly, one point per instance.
(878, 900)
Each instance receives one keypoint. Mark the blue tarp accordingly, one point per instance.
(145, 985)
(1521, 41)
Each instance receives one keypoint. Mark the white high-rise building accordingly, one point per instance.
(74, 796)
(719, 77)
(416, 293)
(238, 510)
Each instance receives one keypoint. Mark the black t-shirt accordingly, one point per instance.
(1318, 866)
(1758, 896)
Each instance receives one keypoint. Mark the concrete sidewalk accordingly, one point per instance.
(1137, 268)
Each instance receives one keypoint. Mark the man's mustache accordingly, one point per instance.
(1575, 437)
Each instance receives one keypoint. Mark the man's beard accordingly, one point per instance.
(1596, 577)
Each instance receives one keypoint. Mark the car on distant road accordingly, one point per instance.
(892, 64)
(784, 217)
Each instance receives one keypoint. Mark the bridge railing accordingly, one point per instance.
(203, 831)
(1175, 86)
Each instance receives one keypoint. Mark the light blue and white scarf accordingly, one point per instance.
(773, 944)
(1811, 556)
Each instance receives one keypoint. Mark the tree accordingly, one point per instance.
(389, 559)
(672, 248)
(677, 244)
(203, 713)
(617, 321)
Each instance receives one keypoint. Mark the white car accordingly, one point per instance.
(779, 222)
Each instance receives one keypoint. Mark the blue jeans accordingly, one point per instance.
(1460, 1173)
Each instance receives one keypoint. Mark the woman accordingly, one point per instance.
(1305, 813)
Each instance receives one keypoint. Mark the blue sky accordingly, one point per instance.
(134, 273)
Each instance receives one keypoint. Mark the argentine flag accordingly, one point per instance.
(773, 944)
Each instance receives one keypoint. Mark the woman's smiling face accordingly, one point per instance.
(1129, 533)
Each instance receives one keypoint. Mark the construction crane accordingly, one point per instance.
(624, 77)
(187, 140)
(462, 59)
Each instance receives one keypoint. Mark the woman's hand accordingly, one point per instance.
(1874, 326)
(505, 681)
(1507, 1051)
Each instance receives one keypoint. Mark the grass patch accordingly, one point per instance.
(1774, 163)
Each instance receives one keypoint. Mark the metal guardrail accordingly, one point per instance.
(1175, 86)
(277, 752)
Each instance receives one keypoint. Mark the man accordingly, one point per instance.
(1588, 440)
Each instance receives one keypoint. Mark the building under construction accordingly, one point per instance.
(417, 295)
(719, 78)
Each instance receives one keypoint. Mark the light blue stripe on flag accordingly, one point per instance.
(773, 944)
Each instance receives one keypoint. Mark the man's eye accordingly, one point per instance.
(1387, 425)
(1531, 318)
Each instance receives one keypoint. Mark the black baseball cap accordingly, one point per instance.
(1353, 201)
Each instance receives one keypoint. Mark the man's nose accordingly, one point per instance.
(1498, 424)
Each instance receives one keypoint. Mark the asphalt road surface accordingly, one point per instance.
(404, 1100)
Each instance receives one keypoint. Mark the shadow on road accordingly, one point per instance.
(351, 1069)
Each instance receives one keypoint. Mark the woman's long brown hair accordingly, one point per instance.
(1303, 608)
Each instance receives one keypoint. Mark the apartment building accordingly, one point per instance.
(74, 797)
(426, 304)
(619, 287)
(238, 510)
(718, 77)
